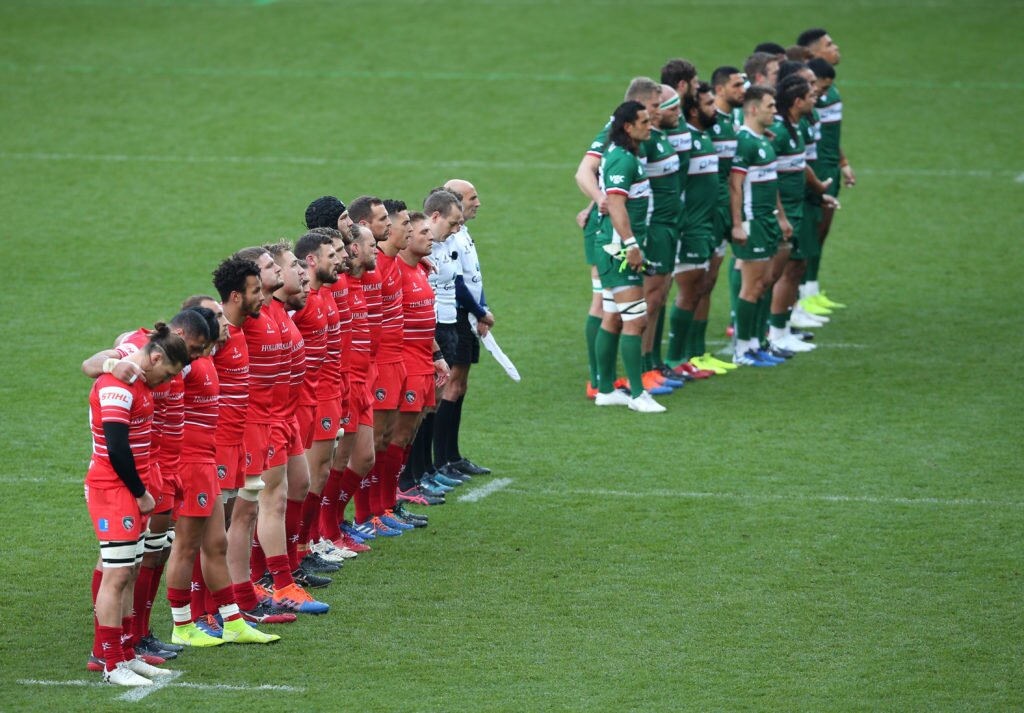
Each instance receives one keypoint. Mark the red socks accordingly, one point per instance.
(198, 600)
(128, 637)
(395, 458)
(329, 503)
(225, 602)
(97, 651)
(110, 645)
(245, 595)
(257, 560)
(280, 571)
(350, 487)
(292, 521)
(310, 518)
(141, 596)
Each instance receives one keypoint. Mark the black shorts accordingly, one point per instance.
(447, 341)
(468, 349)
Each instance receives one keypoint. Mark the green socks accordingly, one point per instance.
(593, 325)
(606, 345)
(699, 328)
(659, 333)
(735, 284)
(679, 327)
(630, 344)
(746, 317)
(813, 265)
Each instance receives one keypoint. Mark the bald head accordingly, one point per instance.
(470, 198)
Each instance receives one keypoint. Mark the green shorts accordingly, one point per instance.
(590, 236)
(763, 238)
(695, 249)
(805, 235)
(723, 225)
(610, 274)
(660, 247)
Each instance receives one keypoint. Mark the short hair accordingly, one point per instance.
(416, 215)
(677, 70)
(161, 337)
(692, 102)
(196, 301)
(641, 88)
(324, 212)
(441, 202)
(755, 93)
(231, 275)
(394, 206)
(334, 234)
(822, 68)
(191, 324)
(770, 48)
(721, 75)
(254, 253)
(362, 208)
(809, 37)
(788, 67)
(757, 63)
(625, 113)
(457, 194)
(212, 323)
(311, 242)
(278, 249)
(798, 53)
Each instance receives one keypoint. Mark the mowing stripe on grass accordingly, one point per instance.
(480, 493)
(755, 497)
(136, 694)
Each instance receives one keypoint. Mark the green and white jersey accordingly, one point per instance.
(791, 164)
(681, 141)
(755, 159)
(723, 134)
(597, 148)
(830, 111)
(622, 173)
(810, 127)
(663, 170)
(701, 186)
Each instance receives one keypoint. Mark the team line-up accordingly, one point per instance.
(228, 442)
(685, 168)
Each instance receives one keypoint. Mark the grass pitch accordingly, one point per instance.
(841, 533)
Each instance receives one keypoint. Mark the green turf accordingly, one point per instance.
(841, 533)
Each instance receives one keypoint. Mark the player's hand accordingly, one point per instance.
(127, 371)
(146, 503)
(635, 259)
(488, 319)
(824, 185)
(787, 229)
(739, 235)
(431, 267)
(581, 218)
(830, 202)
(849, 177)
(602, 205)
(441, 372)
(483, 329)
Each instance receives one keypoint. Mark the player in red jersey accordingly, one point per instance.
(168, 419)
(270, 378)
(200, 516)
(425, 366)
(119, 501)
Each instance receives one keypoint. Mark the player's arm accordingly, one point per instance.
(620, 222)
(586, 179)
(784, 224)
(121, 458)
(849, 177)
(109, 361)
(820, 187)
(739, 235)
(441, 371)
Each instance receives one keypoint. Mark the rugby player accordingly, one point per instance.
(626, 188)
(757, 229)
(831, 161)
(117, 495)
(647, 92)
(762, 68)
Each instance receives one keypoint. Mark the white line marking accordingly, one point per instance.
(137, 694)
(825, 345)
(168, 682)
(37, 479)
(226, 687)
(34, 682)
(796, 497)
(481, 493)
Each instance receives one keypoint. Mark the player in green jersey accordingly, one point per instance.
(619, 259)
(795, 99)
(647, 92)
(758, 223)
(832, 161)
(762, 68)
(697, 235)
(663, 169)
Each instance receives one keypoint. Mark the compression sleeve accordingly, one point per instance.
(465, 299)
(120, 454)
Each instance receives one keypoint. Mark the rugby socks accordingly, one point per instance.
(735, 285)
(419, 453)
(110, 645)
(257, 559)
(746, 316)
(427, 442)
(350, 487)
(393, 457)
(699, 328)
(813, 266)
(198, 594)
(181, 611)
(679, 328)
(97, 579)
(590, 332)
(362, 497)
(280, 571)
(376, 486)
(607, 348)
(128, 637)
(630, 346)
(245, 595)
(292, 519)
(142, 617)
(225, 601)
(143, 584)
(454, 454)
(310, 518)
(659, 334)
(764, 308)
(329, 501)
(443, 423)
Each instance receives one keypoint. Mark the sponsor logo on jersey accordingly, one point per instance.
(103, 524)
(617, 180)
(761, 153)
(222, 472)
(115, 396)
(325, 423)
(202, 499)
(410, 397)
(128, 522)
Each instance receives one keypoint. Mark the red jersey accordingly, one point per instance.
(269, 366)
(390, 350)
(113, 401)
(340, 291)
(359, 356)
(329, 386)
(202, 396)
(232, 363)
(293, 362)
(311, 322)
(371, 282)
(168, 408)
(420, 322)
